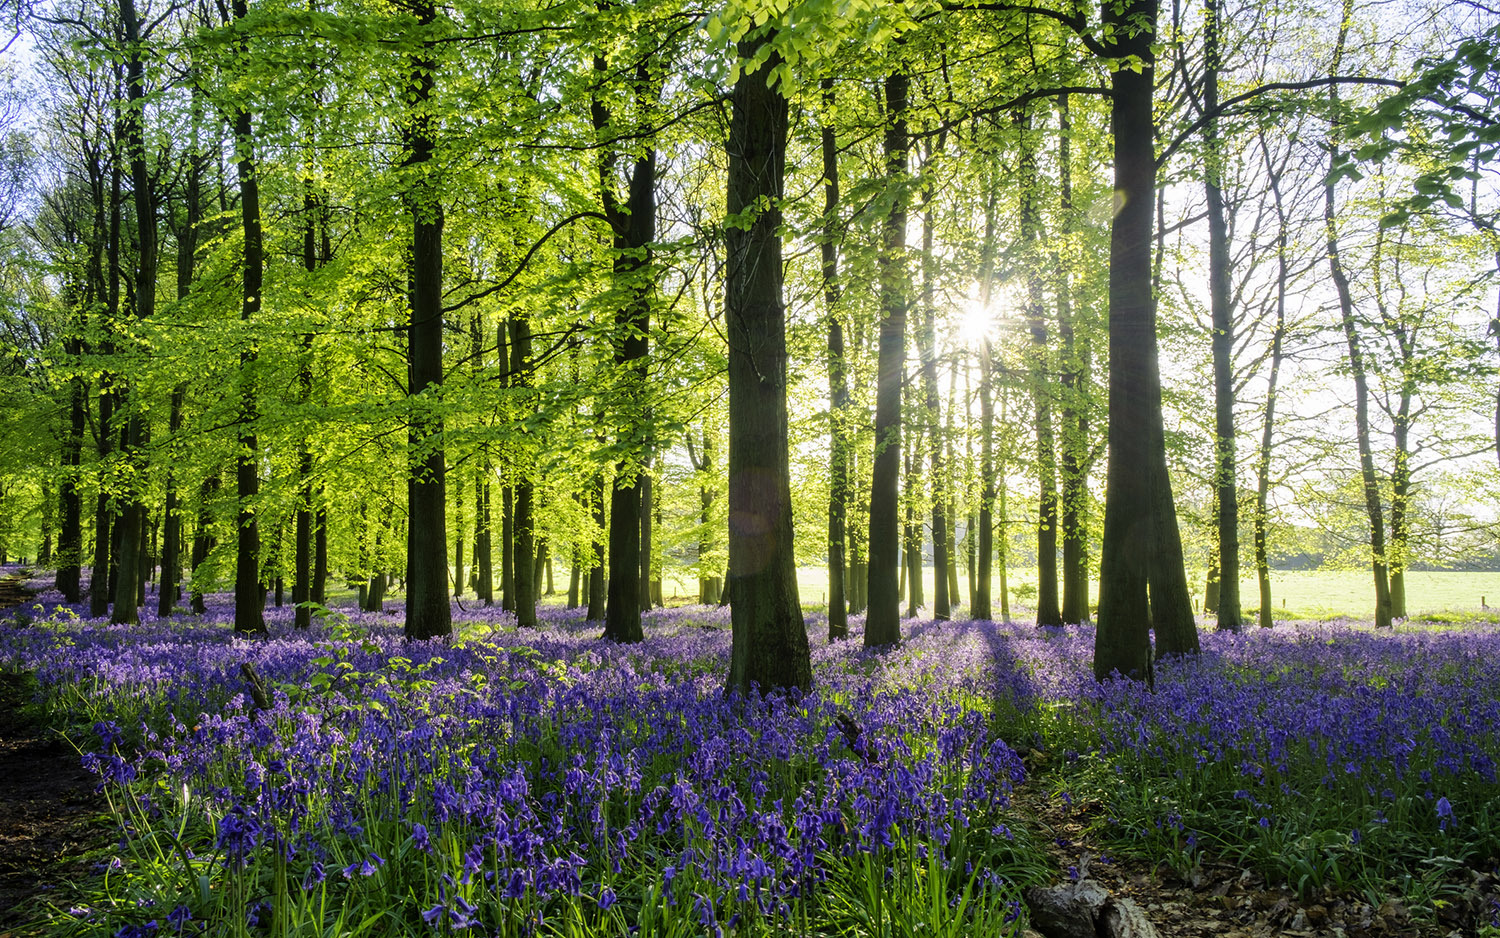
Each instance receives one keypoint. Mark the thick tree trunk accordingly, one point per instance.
(70, 533)
(249, 597)
(769, 646)
(1139, 587)
(883, 622)
(634, 229)
(428, 611)
(132, 509)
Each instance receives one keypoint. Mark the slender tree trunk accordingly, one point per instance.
(524, 524)
(100, 591)
(709, 583)
(1048, 612)
(883, 623)
(911, 528)
(646, 517)
(838, 386)
(597, 585)
(942, 605)
(484, 586)
(460, 531)
(1356, 364)
(1222, 307)
(769, 646)
(986, 535)
(1075, 424)
(1142, 550)
(203, 540)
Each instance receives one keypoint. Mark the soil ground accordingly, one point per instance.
(1220, 900)
(49, 811)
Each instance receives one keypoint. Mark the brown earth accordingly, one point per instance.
(49, 811)
(1221, 900)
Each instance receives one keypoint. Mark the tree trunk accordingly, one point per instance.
(70, 534)
(646, 558)
(132, 510)
(769, 646)
(1222, 307)
(1075, 422)
(525, 523)
(1048, 612)
(1141, 541)
(838, 386)
(460, 532)
(883, 622)
(249, 598)
(597, 585)
(428, 612)
(985, 547)
(942, 606)
(1263, 463)
(484, 572)
(633, 228)
(203, 539)
(1373, 507)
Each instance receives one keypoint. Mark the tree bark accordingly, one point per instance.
(524, 524)
(1139, 587)
(769, 646)
(428, 612)
(633, 227)
(1048, 612)
(1373, 508)
(249, 597)
(596, 586)
(1222, 308)
(132, 510)
(883, 622)
(1263, 463)
(1075, 422)
(942, 606)
(838, 385)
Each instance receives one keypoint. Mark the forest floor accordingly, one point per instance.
(50, 814)
(55, 826)
(1222, 900)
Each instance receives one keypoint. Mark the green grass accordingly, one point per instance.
(1295, 594)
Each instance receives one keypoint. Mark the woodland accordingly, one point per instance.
(378, 376)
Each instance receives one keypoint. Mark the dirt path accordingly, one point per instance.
(48, 807)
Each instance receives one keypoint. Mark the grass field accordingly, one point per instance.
(1296, 594)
